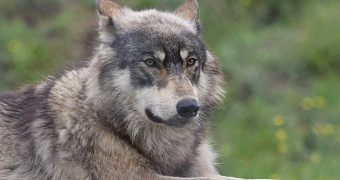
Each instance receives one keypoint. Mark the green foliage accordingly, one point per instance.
(281, 114)
(20, 55)
(281, 61)
(36, 36)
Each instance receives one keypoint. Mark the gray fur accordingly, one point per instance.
(90, 122)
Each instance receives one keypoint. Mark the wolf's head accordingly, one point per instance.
(154, 65)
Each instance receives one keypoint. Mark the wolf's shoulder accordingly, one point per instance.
(9, 101)
(9, 96)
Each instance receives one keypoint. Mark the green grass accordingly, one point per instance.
(288, 69)
(281, 61)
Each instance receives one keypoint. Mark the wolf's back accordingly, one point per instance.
(29, 139)
(8, 118)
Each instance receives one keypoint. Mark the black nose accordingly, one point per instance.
(187, 108)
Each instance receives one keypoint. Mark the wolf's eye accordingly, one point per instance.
(149, 62)
(191, 62)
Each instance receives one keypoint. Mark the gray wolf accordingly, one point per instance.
(138, 110)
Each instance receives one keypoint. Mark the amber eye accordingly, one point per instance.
(149, 62)
(191, 62)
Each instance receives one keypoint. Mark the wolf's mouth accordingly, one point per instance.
(175, 121)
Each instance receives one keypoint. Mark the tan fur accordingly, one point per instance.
(90, 123)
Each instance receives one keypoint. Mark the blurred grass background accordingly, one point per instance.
(281, 60)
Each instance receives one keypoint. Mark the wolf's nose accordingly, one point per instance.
(188, 108)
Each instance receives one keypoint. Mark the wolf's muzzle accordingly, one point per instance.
(175, 121)
(188, 107)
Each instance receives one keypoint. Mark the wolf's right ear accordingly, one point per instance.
(189, 10)
(107, 11)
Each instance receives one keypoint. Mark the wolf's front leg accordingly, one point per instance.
(205, 161)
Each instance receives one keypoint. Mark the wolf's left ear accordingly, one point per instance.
(189, 10)
(108, 11)
(108, 8)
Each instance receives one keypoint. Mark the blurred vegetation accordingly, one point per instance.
(281, 60)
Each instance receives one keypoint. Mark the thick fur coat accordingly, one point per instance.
(115, 117)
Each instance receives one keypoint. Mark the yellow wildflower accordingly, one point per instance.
(319, 101)
(278, 120)
(315, 158)
(307, 103)
(282, 148)
(275, 176)
(328, 129)
(14, 46)
(281, 134)
(246, 2)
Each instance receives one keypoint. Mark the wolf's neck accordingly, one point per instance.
(168, 146)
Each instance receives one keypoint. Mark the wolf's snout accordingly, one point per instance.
(187, 108)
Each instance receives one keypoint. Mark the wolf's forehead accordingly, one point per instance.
(158, 42)
(163, 21)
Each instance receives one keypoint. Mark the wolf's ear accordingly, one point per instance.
(108, 8)
(189, 10)
(107, 11)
